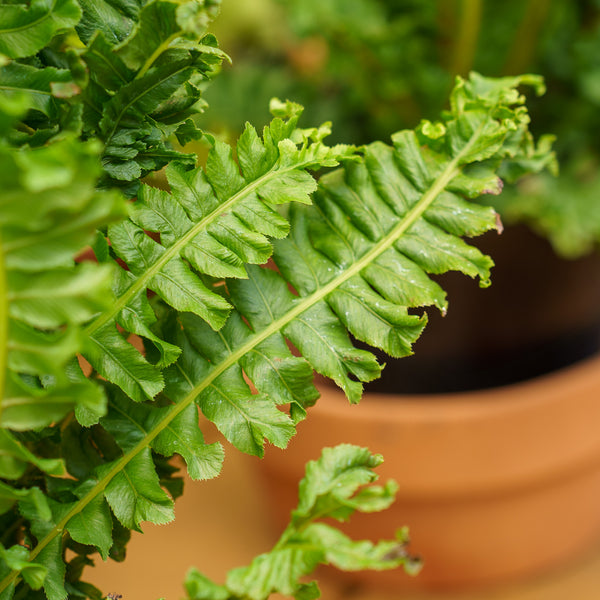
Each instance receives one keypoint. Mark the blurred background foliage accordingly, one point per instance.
(376, 66)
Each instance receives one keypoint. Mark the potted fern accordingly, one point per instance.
(378, 65)
(105, 363)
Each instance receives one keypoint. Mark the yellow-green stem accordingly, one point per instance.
(466, 38)
(523, 48)
(150, 60)
(141, 283)
(30, 24)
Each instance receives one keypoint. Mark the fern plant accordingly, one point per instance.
(198, 291)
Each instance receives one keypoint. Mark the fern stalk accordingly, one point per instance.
(467, 36)
(117, 122)
(142, 281)
(526, 38)
(152, 58)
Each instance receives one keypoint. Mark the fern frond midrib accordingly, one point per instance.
(43, 18)
(141, 282)
(43, 237)
(108, 64)
(277, 325)
(147, 90)
(17, 89)
(154, 56)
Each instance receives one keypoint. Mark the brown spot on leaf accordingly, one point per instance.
(499, 225)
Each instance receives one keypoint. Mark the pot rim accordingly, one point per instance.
(525, 435)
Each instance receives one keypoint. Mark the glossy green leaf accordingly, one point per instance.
(130, 423)
(184, 437)
(117, 360)
(41, 185)
(244, 418)
(160, 24)
(287, 379)
(14, 458)
(17, 558)
(10, 496)
(16, 78)
(146, 62)
(91, 403)
(200, 587)
(26, 29)
(55, 246)
(114, 18)
(12, 108)
(349, 555)
(93, 526)
(138, 318)
(36, 352)
(317, 333)
(54, 582)
(334, 485)
(49, 211)
(332, 482)
(26, 407)
(278, 571)
(58, 297)
(135, 495)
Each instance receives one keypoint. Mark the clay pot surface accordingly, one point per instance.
(495, 485)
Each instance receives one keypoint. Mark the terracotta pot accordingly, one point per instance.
(494, 485)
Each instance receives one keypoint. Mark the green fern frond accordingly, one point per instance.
(47, 215)
(213, 222)
(49, 211)
(336, 485)
(25, 30)
(143, 87)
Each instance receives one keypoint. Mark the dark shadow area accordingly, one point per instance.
(540, 314)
